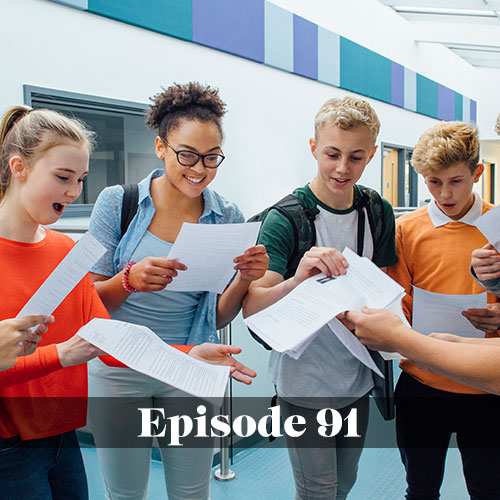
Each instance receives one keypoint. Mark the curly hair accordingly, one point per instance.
(444, 145)
(347, 113)
(497, 125)
(190, 101)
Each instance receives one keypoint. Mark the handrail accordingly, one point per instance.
(225, 473)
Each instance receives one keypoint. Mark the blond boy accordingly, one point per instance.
(434, 245)
(327, 375)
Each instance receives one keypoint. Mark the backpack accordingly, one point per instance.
(129, 205)
(302, 221)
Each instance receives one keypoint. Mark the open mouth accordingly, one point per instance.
(448, 206)
(341, 182)
(194, 180)
(58, 207)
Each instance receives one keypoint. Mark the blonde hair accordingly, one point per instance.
(30, 132)
(497, 125)
(445, 145)
(347, 113)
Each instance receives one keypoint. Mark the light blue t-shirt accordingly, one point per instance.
(169, 314)
(105, 226)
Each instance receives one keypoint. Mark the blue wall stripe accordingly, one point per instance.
(169, 17)
(278, 37)
(263, 32)
(78, 4)
(364, 71)
(235, 26)
(446, 103)
(305, 47)
(410, 100)
(397, 84)
(328, 57)
(473, 112)
(459, 104)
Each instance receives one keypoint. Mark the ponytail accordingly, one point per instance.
(28, 132)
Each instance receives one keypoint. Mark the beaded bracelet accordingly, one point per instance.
(125, 282)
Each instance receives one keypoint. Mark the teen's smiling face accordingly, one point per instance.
(342, 156)
(451, 189)
(52, 182)
(193, 136)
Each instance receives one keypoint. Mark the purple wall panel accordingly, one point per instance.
(397, 84)
(235, 26)
(305, 47)
(473, 112)
(446, 103)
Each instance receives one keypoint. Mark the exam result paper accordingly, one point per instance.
(208, 251)
(288, 324)
(353, 345)
(489, 225)
(69, 272)
(442, 313)
(142, 350)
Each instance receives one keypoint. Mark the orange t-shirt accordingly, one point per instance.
(436, 259)
(39, 398)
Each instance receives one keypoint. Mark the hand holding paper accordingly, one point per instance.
(70, 271)
(208, 251)
(486, 262)
(140, 349)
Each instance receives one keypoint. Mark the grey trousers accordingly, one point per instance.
(326, 473)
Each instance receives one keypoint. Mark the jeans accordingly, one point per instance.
(126, 470)
(425, 421)
(325, 473)
(42, 469)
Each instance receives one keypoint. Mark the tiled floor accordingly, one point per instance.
(264, 474)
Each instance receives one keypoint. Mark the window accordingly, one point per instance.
(124, 152)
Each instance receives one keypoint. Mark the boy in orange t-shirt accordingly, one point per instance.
(434, 245)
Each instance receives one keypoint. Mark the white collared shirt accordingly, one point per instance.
(438, 218)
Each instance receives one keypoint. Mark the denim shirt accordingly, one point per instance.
(105, 223)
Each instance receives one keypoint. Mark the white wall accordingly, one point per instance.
(271, 112)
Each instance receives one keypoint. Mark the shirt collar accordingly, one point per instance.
(212, 202)
(438, 218)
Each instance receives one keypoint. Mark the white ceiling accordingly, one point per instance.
(470, 28)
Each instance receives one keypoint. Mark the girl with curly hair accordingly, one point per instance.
(187, 119)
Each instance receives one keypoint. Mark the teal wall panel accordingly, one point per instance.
(278, 37)
(427, 96)
(364, 71)
(170, 17)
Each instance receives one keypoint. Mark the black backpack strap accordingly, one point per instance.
(129, 205)
(301, 219)
(372, 200)
(304, 231)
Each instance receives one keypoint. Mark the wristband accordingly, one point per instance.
(125, 282)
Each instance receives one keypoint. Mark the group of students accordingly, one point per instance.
(44, 161)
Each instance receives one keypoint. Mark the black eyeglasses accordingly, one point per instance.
(190, 158)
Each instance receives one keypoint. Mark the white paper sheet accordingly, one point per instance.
(438, 312)
(208, 251)
(140, 349)
(353, 345)
(395, 307)
(70, 271)
(288, 324)
(489, 225)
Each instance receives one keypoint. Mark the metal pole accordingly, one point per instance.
(225, 473)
